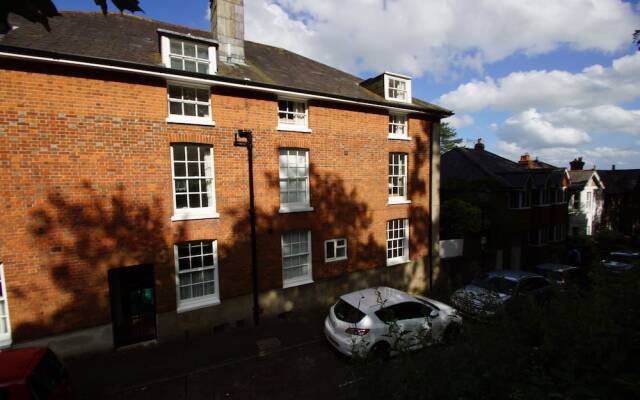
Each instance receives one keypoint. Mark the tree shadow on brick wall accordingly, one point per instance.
(82, 237)
(339, 211)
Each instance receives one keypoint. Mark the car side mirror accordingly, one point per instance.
(434, 314)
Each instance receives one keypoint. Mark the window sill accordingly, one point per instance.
(294, 209)
(293, 128)
(397, 261)
(196, 304)
(176, 119)
(184, 216)
(397, 100)
(392, 201)
(394, 137)
(330, 260)
(286, 285)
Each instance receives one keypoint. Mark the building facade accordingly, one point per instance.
(127, 196)
(621, 208)
(586, 200)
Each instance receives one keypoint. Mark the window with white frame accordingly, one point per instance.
(398, 126)
(397, 241)
(397, 89)
(397, 177)
(189, 104)
(294, 180)
(589, 198)
(296, 258)
(189, 56)
(292, 114)
(335, 250)
(196, 274)
(193, 181)
(5, 326)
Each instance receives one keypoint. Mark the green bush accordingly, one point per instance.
(582, 344)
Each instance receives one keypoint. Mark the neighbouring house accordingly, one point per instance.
(585, 199)
(127, 196)
(621, 208)
(521, 207)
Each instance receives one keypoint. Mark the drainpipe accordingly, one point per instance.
(248, 143)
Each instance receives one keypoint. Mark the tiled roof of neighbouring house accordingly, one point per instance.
(580, 177)
(134, 39)
(620, 180)
(474, 164)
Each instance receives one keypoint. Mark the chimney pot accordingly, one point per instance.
(479, 145)
(577, 164)
(613, 167)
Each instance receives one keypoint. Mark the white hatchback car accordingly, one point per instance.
(384, 321)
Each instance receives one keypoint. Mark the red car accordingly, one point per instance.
(33, 374)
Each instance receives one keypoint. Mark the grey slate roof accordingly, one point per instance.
(620, 180)
(579, 178)
(472, 164)
(135, 39)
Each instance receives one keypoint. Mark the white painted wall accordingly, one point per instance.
(451, 248)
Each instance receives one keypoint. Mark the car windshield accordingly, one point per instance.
(347, 313)
(622, 258)
(497, 284)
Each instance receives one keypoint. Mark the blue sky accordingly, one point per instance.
(556, 79)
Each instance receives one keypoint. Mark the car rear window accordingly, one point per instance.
(46, 376)
(347, 313)
(497, 284)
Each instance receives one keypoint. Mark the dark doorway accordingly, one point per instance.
(133, 304)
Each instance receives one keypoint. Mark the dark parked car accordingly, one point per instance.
(620, 261)
(483, 297)
(33, 374)
(561, 275)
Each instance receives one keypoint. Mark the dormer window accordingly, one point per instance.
(189, 54)
(397, 88)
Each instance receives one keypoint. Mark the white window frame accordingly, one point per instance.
(589, 200)
(400, 199)
(302, 280)
(388, 78)
(295, 126)
(181, 214)
(189, 119)
(335, 250)
(293, 206)
(393, 123)
(398, 259)
(165, 44)
(201, 301)
(5, 337)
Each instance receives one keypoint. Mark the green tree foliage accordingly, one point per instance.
(448, 139)
(459, 218)
(41, 10)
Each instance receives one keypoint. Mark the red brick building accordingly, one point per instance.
(126, 201)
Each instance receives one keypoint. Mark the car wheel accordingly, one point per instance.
(380, 351)
(451, 333)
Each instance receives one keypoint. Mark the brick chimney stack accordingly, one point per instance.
(526, 161)
(479, 145)
(577, 164)
(227, 26)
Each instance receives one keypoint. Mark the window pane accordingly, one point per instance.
(203, 68)
(185, 292)
(198, 290)
(189, 50)
(202, 95)
(190, 109)
(208, 260)
(183, 264)
(203, 111)
(175, 108)
(203, 52)
(209, 288)
(181, 201)
(181, 186)
(176, 63)
(175, 92)
(189, 93)
(178, 152)
(194, 185)
(330, 250)
(341, 252)
(193, 169)
(208, 274)
(194, 200)
(179, 169)
(176, 47)
(205, 200)
(190, 66)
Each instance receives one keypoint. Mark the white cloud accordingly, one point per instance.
(529, 128)
(600, 119)
(611, 154)
(558, 156)
(594, 86)
(417, 36)
(460, 121)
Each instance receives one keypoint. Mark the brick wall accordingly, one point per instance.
(86, 183)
